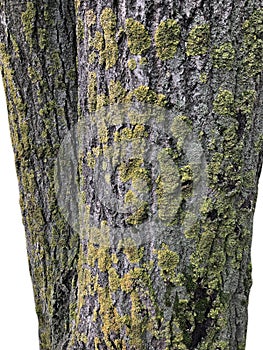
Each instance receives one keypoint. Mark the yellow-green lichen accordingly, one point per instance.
(114, 258)
(168, 190)
(92, 254)
(124, 134)
(15, 46)
(140, 181)
(104, 259)
(130, 278)
(180, 129)
(167, 262)
(90, 17)
(132, 64)
(224, 103)
(80, 29)
(132, 170)
(111, 320)
(103, 134)
(224, 56)
(92, 57)
(42, 38)
(203, 77)
(28, 19)
(143, 61)
(97, 42)
(198, 40)
(114, 279)
(186, 173)
(102, 100)
(133, 253)
(117, 92)
(91, 162)
(145, 94)
(127, 133)
(139, 131)
(167, 38)
(92, 91)
(139, 39)
(245, 103)
(139, 215)
(108, 23)
(253, 43)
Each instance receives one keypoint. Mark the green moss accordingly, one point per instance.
(224, 103)
(224, 56)
(198, 40)
(253, 43)
(167, 262)
(167, 38)
(108, 23)
(138, 38)
(28, 19)
(132, 64)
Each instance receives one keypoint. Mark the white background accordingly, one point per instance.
(18, 322)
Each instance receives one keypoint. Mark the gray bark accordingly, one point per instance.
(153, 250)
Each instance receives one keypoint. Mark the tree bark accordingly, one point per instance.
(139, 225)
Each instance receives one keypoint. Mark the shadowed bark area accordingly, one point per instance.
(154, 253)
(38, 58)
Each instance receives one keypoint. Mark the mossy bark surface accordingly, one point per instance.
(196, 68)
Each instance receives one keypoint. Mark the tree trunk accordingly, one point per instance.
(139, 218)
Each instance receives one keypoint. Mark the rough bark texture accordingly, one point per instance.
(199, 65)
(39, 73)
